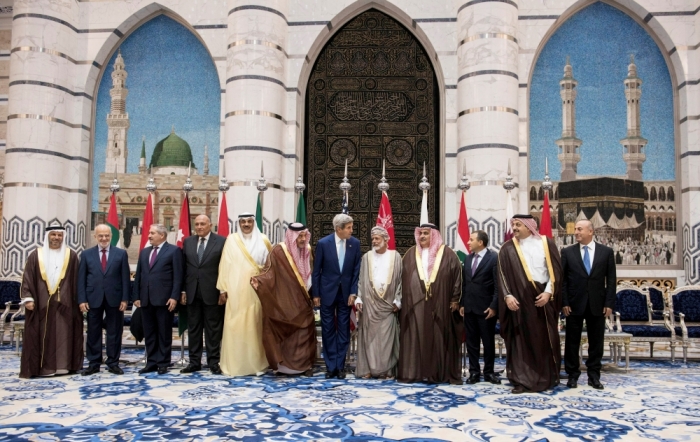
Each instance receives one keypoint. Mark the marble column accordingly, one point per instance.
(46, 175)
(487, 100)
(255, 103)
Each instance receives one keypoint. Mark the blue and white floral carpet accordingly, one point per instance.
(655, 400)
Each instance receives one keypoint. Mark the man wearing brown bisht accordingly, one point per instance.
(53, 328)
(289, 330)
(431, 287)
(529, 279)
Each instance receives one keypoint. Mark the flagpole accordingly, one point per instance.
(508, 185)
(299, 188)
(262, 188)
(114, 188)
(223, 188)
(424, 186)
(345, 187)
(462, 240)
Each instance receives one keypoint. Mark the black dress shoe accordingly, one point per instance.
(474, 378)
(519, 389)
(595, 383)
(309, 372)
(145, 370)
(91, 370)
(492, 378)
(115, 369)
(572, 382)
(191, 368)
(215, 369)
(330, 375)
(341, 374)
(162, 370)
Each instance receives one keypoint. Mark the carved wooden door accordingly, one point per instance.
(372, 95)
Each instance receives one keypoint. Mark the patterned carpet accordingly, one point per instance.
(655, 400)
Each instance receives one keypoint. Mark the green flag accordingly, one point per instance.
(258, 212)
(301, 210)
(113, 220)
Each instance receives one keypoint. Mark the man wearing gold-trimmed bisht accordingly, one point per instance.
(53, 328)
(431, 288)
(378, 300)
(243, 257)
(529, 281)
(289, 330)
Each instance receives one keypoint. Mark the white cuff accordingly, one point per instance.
(358, 300)
(26, 300)
(397, 303)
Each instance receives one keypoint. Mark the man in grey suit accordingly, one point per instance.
(205, 303)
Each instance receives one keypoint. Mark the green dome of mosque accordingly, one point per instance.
(172, 151)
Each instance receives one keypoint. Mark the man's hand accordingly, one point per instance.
(351, 300)
(490, 313)
(223, 297)
(137, 303)
(461, 311)
(607, 312)
(183, 298)
(29, 305)
(84, 307)
(254, 282)
(396, 308)
(454, 306)
(359, 307)
(512, 303)
(317, 302)
(542, 299)
(171, 304)
(122, 306)
(566, 310)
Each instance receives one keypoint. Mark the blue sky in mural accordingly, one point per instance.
(599, 39)
(172, 81)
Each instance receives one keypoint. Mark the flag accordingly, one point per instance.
(147, 221)
(424, 209)
(223, 228)
(462, 240)
(509, 215)
(113, 220)
(344, 209)
(386, 219)
(301, 210)
(183, 232)
(546, 221)
(258, 213)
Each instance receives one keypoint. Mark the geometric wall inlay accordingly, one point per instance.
(493, 228)
(691, 253)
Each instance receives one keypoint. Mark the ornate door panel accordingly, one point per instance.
(372, 95)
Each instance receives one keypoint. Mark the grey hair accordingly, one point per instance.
(381, 231)
(341, 220)
(160, 228)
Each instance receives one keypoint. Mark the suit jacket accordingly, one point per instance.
(579, 288)
(154, 286)
(327, 275)
(94, 285)
(480, 291)
(203, 274)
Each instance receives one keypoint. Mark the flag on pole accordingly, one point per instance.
(301, 210)
(546, 221)
(424, 209)
(184, 230)
(386, 219)
(344, 209)
(509, 215)
(147, 221)
(462, 240)
(113, 220)
(258, 213)
(223, 228)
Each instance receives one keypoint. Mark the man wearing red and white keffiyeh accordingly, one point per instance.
(301, 254)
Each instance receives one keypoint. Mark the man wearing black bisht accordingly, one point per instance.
(529, 281)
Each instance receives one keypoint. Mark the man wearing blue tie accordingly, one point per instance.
(588, 293)
(103, 293)
(335, 276)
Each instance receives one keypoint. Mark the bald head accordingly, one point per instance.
(103, 235)
(583, 232)
(202, 225)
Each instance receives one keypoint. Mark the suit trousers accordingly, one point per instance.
(595, 328)
(113, 321)
(208, 319)
(480, 330)
(335, 332)
(158, 333)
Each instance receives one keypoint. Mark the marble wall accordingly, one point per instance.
(483, 51)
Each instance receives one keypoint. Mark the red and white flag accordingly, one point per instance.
(184, 230)
(546, 221)
(386, 219)
(223, 228)
(462, 240)
(147, 221)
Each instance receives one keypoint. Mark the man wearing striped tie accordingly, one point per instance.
(588, 293)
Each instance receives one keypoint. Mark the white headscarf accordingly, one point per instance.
(53, 258)
(253, 241)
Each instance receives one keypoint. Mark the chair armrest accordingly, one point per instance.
(669, 324)
(8, 306)
(617, 322)
(684, 329)
(19, 312)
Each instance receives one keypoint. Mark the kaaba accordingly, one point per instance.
(613, 205)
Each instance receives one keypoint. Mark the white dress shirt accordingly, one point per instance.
(591, 251)
(337, 245)
(99, 248)
(533, 252)
(424, 257)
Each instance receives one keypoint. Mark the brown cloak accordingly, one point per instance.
(531, 333)
(429, 332)
(289, 330)
(53, 331)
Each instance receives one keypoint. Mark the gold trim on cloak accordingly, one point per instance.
(390, 274)
(52, 291)
(433, 274)
(547, 258)
(244, 249)
(294, 267)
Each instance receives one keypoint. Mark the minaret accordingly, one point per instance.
(117, 120)
(634, 143)
(568, 143)
(142, 161)
(205, 170)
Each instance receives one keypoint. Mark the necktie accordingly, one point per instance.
(153, 256)
(341, 254)
(200, 250)
(586, 260)
(104, 260)
(475, 262)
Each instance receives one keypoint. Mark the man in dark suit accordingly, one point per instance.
(334, 280)
(156, 291)
(206, 305)
(588, 293)
(103, 292)
(480, 306)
